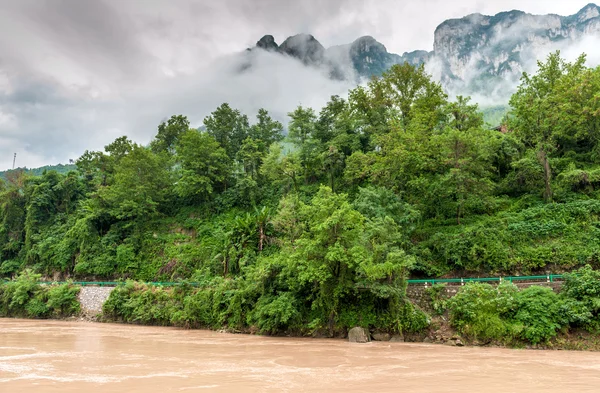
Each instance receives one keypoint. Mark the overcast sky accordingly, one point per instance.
(76, 74)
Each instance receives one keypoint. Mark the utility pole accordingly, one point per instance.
(14, 160)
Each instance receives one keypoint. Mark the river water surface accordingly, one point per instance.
(56, 356)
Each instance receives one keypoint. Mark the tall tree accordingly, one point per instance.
(229, 127)
(141, 184)
(169, 133)
(539, 116)
(266, 130)
(302, 125)
(204, 165)
(412, 94)
(282, 167)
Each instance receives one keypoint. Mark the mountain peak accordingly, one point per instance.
(367, 44)
(268, 43)
(588, 12)
(304, 47)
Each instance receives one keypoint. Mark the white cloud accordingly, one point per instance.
(74, 75)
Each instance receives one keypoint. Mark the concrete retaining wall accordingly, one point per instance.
(418, 293)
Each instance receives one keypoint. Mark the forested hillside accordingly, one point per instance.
(60, 168)
(394, 181)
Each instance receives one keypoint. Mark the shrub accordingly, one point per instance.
(478, 310)
(538, 314)
(274, 313)
(25, 297)
(62, 300)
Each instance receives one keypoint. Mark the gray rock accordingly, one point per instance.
(427, 340)
(396, 338)
(358, 335)
(459, 343)
(381, 337)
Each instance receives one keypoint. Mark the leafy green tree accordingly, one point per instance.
(141, 185)
(411, 94)
(464, 116)
(204, 165)
(539, 115)
(333, 162)
(328, 252)
(169, 133)
(12, 219)
(251, 156)
(229, 127)
(302, 125)
(282, 167)
(266, 131)
(465, 158)
(324, 130)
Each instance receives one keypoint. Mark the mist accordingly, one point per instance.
(75, 76)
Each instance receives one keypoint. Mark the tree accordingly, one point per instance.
(141, 184)
(465, 163)
(346, 262)
(204, 165)
(328, 252)
(325, 126)
(464, 116)
(411, 95)
(302, 125)
(282, 167)
(229, 127)
(12, 215)
(169, 133)
(539, 116)
(333, 162)
(251, 156)
(266, 131)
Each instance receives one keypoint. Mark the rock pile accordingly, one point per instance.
(92, 299)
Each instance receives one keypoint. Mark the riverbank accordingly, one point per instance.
(440, 333)
(553, 316)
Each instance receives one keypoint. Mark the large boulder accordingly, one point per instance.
(397, 338)
(381, 336)
(358, 335)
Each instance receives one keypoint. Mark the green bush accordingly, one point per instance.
(273, 314)
(24, 297)
(62, 300)
(534, 315)
(478, 310)
(581, 292)
(538, 313)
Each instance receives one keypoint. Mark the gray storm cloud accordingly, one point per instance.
(74, 75)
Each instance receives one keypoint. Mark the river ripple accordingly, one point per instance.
(56, 356)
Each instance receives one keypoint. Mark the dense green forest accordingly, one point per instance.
(60, 168)
(394, 181)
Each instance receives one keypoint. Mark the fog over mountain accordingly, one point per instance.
(75, 76)
(478, 55)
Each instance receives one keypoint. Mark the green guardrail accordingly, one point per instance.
(432, 281)
(424, 281)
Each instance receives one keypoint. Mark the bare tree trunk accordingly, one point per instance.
(543, 157)
(331, 181)
(261, 237)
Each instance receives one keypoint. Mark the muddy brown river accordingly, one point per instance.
(55, 356)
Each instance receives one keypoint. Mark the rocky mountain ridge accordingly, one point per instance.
(469, 54)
